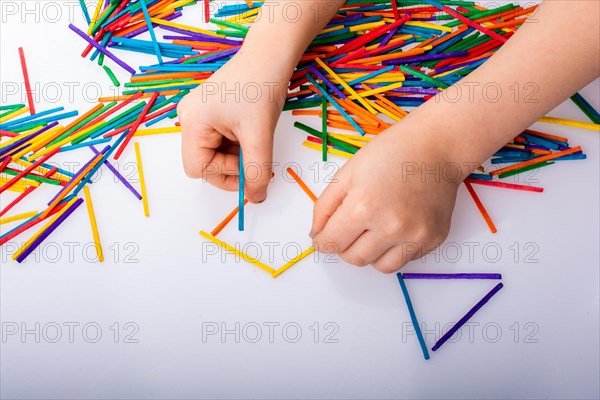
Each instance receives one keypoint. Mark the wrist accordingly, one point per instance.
(435, 149)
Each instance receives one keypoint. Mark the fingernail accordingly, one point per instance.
(260, 195)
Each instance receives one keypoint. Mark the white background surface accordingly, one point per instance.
(170, 291)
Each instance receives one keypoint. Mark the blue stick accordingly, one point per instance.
(151, 31)
(241, 194)
(413, 316)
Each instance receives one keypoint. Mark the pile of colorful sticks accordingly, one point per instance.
(31, 143)
(368, 68)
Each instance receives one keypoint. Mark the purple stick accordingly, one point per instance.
(415, 90)
(451, 276)
(144, 28)
(19, 142)
(339, 21)
(467, 316)
(327, 82)
(118, 175)
(102, 49)
(200, 36)
(48, 231)
(451, 67)
(217, 56)
(425, 58)
(388, 37)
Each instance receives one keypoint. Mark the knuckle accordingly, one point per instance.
(355, 259)
(360, 211)
(388, 267)
(325, 246)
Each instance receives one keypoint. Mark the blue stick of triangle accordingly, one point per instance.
(413, 316)
(241, 194)
(151, 31)
(467, 316)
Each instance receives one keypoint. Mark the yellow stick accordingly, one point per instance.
(429, 26)
(346, 86)
(14, 114)
(235, 251)
(185, 27)
(569, 122)
(18, 217)
(92, 215)
(138, 158)
(95, 17)
(67, 189)
(363, 27)
(330, 150)
(366, 93)
(292, 262)
(357, 138)
(36, 141)
(157, 131)
(332, 29)
(243, 15)
(68, 139)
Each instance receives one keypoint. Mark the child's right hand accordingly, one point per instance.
(238, 105)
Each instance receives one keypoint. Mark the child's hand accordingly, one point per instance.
(382, 207)
(239, 105)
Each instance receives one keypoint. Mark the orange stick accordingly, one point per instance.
(536, 160)
(481, 208)
(227, 220)
(346, 126)
(392, 106)
(211, 44)
(350, 107)
(546, 135)
(442, 39)
(393, 56)
(71, 185)
(300, 182)
(518, 13)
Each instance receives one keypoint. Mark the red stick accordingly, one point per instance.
(206, 11)
(36, 164)
(366, 38)
(146, 118)
(8, 134)
(27, 82)
(473, 24)
(111, 111)
(395, 10)
(505, 185)
(31, 223)
(6, 161)
(136, 125)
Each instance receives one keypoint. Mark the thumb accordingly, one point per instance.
(326, 205)
(257, 158)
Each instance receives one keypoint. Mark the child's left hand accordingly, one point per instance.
(382, 208)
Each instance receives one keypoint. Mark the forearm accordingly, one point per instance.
(284, 29)
(545, 62)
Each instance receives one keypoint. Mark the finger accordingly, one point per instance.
(366, 249)
(341, 230)
(331, 198)
(393, 260)
(224, 182)
(257, 155)
(201, 157)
